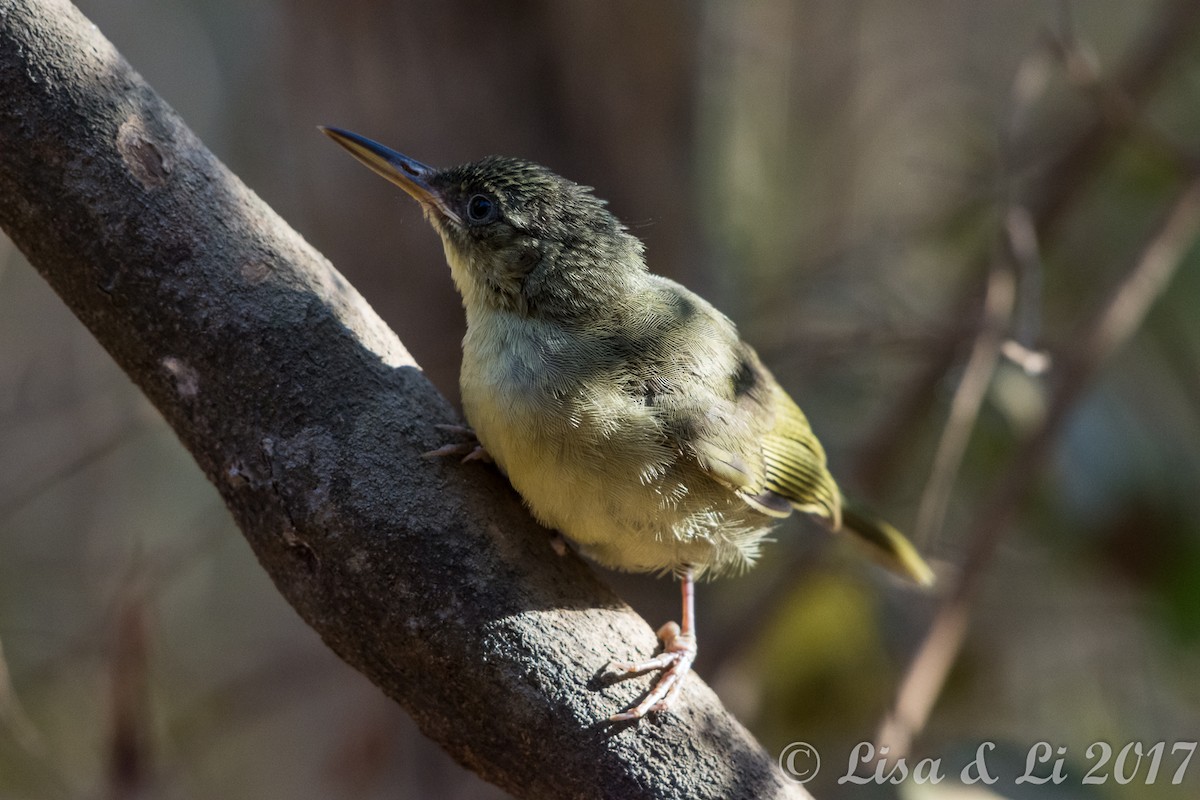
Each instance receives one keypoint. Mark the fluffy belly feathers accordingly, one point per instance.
(600, 471)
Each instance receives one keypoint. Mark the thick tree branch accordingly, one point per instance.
(309, 416)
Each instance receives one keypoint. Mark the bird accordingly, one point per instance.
(626, 410)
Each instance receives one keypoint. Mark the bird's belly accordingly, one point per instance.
(609, 484)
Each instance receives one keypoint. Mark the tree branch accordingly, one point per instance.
(1111, 326)
(1055, 191)
(309, 416)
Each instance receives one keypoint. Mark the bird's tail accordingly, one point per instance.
(886, 545)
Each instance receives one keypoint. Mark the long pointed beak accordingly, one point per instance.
(409, 174)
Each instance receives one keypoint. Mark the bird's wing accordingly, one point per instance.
(780, 465)
(794, 462)
(741, 426)
(722, 406)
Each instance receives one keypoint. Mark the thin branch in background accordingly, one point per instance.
(1100, 337)
(1019, 262)
(1123, 314)
(968, 400)
(82, 459)
(878, 459)
(129, 771)
(1019, 269)
(1022, 242)
(1112, 99)
(1057, 189)
(1134, 84)
(1015, 264)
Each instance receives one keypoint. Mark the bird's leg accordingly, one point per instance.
(675, 661)
(470, 450)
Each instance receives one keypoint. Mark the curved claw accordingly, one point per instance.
(666, 690)
(470, 451)
(679, 651)
(477, 454)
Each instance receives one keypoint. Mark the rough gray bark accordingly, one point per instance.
(309, 416)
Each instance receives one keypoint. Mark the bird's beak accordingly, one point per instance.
(409, 174)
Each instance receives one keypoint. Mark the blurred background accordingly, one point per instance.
(845, 180)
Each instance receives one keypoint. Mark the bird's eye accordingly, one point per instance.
(481, 208)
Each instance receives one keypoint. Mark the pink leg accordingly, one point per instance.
(675, 661)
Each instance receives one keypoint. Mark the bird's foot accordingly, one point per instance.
(470, 450)
(558, 544)
(675, 661)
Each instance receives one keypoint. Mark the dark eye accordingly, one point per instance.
(481, 208)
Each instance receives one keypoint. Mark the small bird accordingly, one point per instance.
(625, 409)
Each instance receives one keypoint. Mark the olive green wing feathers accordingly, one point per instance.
(794, 463)
(743, 430)
(788, 470)
(762, 446)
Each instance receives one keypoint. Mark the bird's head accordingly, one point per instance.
(518, 237)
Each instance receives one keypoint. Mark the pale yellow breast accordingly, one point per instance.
(591, 461)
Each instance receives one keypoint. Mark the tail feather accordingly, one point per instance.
(887, 545)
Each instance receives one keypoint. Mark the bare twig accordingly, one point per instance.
(1018, 262)
(129, 770)
(1116, 321)
(1118, 109)
(968, 399)
(1055, 191)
